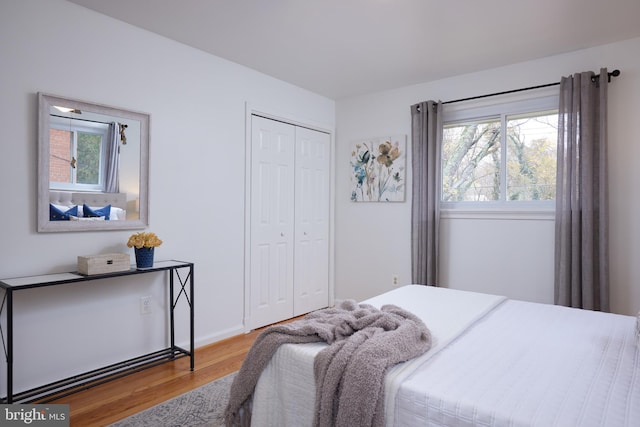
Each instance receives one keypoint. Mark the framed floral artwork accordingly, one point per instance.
(378, 169)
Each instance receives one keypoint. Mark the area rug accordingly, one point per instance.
(203, 406)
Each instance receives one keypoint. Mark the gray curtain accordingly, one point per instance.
(426, 140)
(582, 238)
(112, 163)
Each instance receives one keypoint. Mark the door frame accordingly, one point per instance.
(250, 111)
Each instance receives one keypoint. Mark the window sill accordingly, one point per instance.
(498, 214)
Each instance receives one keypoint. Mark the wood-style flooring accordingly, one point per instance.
(118, 399)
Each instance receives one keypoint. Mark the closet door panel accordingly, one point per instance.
(311, 271)
(272, 221)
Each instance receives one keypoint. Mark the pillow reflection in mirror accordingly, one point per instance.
(57, 214)
(88, 212)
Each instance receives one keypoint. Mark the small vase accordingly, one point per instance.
(144, 257)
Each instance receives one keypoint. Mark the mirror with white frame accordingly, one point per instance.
(93, 166)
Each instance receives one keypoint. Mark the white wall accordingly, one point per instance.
(197, 107)
(508, 257)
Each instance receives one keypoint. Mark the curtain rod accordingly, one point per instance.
(614, 73)
(82, 120)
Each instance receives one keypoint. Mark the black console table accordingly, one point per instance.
(61, 388)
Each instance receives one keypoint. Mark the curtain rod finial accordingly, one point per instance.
(614, 73)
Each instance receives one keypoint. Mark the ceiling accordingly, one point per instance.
(341, 48)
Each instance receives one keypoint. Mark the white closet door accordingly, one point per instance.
(272, 221)
(311, 271)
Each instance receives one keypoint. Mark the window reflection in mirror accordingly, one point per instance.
(91, 158)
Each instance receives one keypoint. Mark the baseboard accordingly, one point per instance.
(218, 336)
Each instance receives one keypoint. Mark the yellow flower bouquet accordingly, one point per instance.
(144, 240)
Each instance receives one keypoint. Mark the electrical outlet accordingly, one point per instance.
(394, 280)
(145, 305)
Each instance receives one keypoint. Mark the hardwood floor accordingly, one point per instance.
(115, 400)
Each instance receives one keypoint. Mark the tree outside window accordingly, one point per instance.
(504, 158)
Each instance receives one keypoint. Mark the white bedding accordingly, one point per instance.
(447, 313)
(494, 362)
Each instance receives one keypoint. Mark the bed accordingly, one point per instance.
(493, 362)
(71, 206)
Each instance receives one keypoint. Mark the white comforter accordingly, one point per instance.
(530, 365)
(494, 362)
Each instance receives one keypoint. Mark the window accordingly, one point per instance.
(501, 156)
(77, 153)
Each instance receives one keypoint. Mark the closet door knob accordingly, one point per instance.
(281, 234)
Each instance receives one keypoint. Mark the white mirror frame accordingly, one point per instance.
(45, 102)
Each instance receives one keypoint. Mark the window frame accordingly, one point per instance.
(499, 107)
(74, 126)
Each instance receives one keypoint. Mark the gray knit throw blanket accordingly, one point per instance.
(349, 374)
